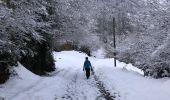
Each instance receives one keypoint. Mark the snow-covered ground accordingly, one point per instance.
(124, 82)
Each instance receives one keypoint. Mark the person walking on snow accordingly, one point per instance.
(87, 67)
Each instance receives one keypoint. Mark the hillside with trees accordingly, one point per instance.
(30, 30)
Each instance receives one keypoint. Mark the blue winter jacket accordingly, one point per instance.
(87, 64)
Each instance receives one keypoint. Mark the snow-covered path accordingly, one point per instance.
(69, 82)
(78, 87)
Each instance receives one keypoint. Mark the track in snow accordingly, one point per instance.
(79, 88)
(104, 92)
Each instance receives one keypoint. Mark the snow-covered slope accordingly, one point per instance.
(124, 82)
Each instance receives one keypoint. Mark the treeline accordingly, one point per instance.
(26, 36)
(142, 34)
(30, 30)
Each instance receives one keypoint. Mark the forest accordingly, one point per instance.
(30, 30)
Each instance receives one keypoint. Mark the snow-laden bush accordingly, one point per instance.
(25, 32)
(42, 61)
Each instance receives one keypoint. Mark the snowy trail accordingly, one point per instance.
(69, 82)
(80, 89)
(104, 92)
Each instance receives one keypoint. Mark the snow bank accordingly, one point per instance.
(22, 82)
(25, 74)
(132, 86)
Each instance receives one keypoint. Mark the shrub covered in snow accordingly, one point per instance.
(25, 34)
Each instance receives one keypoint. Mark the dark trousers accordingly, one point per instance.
(87, 73)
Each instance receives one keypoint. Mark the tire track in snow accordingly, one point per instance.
(104, 92)
(75, 93)
(79, 88)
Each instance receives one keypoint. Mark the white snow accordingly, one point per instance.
(126, 82)
(100, 53)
